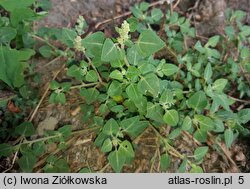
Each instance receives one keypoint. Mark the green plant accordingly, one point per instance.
(135, 88)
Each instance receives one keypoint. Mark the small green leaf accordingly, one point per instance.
(115, 89)
(68, 37)
(126, 149)
(165, 162)
(208, 72)
(94, 44)
(156, 14)
(149, 43)
(187, 123)
(91, 76)
(65, 131)
(206, 123)
(116, 160)
(90, 95)
(229, 137)
(200, 135)
(45, 51)
(196, 169)
(107, 145)
(6, 150)
(244, 115)
(174, 133)
(133, 126)
(133, 56)
(213, 41)
(25, 129)
(169, 69)
(111, 127)
(171, 117)
(183, 166)
(7, 34)
(154, 112)
(219, 85)
(109, 51)
(27, 162)
(200, 152)
(10, 5)
(149, 83)
(116, 75)
(198, 101)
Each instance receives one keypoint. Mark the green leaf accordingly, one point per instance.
(109, 51)
(171, 117)
(156, 14)
(115, 89)
(183, 166)
(11, 71)
(68, 37)
(200, 152)
(10, 5)
(27, 162)
(133, 126)
(169, 69)
(198, 101)
(91, 76)
(213, 41)
(85, 170)
(133, 56)
(219, 85)
(100, 138)
(167, 98)
(154, 112)
(229, 137)
(25, 54)
(65, 131)
(174, 133)
(126, 149)
(111, 127)
(187, 123)
(208, 72)
(45, 51)
(146, 67)
(107, 146)
(116, 75)
(149, 43)
(165, 162)
(7, 34)
(200, 135)
(94, 44)
(222, 99)
(206, 123)
(90, 95)
(196, 169)
(136, 97)
(75, 71)
(116, 160)
(6, 150)
(26, 129)
(149, 83)
(21, 14)
(38, 148)
(244, 115)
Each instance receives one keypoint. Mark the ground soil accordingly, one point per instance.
(82, 152)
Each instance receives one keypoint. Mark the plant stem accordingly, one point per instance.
(84, 85)
(92, 65)
(45, 41)
(57, 135)
(168, 146)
